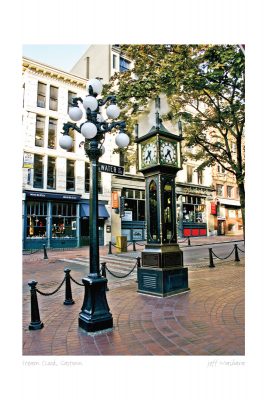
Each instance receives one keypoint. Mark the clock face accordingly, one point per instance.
(168, 153)
(149, 153)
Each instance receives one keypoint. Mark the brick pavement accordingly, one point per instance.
(207, 320)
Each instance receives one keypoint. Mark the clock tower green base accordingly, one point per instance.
(162, 273)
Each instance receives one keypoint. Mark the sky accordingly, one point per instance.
(62, 56)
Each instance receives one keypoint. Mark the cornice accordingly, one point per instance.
(52, 72)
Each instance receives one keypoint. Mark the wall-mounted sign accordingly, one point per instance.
(108, 228)
(213, 208)
(28, 160)
(128, 216)
(115, 200)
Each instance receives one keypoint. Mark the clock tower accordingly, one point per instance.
(162, 272)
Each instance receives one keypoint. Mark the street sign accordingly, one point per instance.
(112, 169)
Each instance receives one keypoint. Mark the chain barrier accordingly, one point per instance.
(223, 258)
(182, 240)
(122, 276)
(141, 244)
(55, 291)
(77, 283)
(243, 251)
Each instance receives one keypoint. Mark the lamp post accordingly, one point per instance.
(95, 314)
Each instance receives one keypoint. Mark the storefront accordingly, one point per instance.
(57, 220)
(133, 218)
(229, 217)
(192, 210)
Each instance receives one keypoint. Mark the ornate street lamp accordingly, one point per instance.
(95, 314)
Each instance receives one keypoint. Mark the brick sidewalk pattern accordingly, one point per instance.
(207, 320)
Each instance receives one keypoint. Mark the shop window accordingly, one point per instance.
(71, 95)
(53, 100)
(51, 173)
(41, 94)
(229, 191)
(219, 190)
(124, 162)
(194, 209)
(36, 220)
(70, 175)
(52, 133)
(189, 171)
(38, 171)
(63, 220)
(39, 131)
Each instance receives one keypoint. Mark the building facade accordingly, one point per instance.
(55, 182)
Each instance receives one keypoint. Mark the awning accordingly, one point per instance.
(102, 211)
(229, 202)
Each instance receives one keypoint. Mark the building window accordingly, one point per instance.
(86, 177)
(124, 64)
(219, 190)
(194, 209)
(124, 162)
(36, 219)
(51, 173)
(52, 133)
(72, 135)
(200, 177)
(53, 100)
(229, 191)
(114, 61)
(39, 131)
(63, 220)
(70, 175)
(220, 169)
(38, 171)
(71, 95)
(189, 171)
(135, 203)
(100, 184)
(41, 94)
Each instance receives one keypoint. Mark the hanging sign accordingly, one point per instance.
(213, 208)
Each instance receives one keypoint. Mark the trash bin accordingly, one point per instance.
(121, 244)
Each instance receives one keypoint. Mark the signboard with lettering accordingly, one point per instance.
(115, 200)
(111, 169)
(28, 160)
(213, 208)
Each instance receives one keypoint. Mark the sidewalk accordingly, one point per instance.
(207, 320)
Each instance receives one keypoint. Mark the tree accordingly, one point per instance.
(204, 85)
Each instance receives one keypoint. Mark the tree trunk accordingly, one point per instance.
(241, 188)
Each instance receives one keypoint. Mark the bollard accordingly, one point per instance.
(134, 248)
(189, 243)
(35, 323)
(45, 253)
(104, 274)
(138, 266)
(236, 254)
(109, 248)
(68, 295)
(211, 259)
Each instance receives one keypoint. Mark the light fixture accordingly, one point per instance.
(65, 142)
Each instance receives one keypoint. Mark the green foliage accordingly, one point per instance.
(205, 87)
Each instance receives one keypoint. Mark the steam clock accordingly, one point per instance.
(162, 272)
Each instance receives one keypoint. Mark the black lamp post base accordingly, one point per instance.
(162, 282)
(34, 326)
(95, 315)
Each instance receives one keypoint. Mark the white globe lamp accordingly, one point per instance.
(75, 113)
(90, 102)
(89, 130)
(96, 85)
(65, 142)
(122, 140)
(113, 111)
